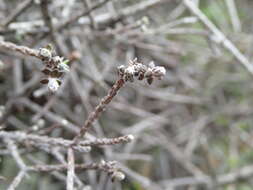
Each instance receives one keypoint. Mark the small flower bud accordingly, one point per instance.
(63, 67)
(141, 76)
(159, 71)
(151, 64)
(64, 122)
(148, 73)
(45, 53)
(130, 138)
(144, 28)
(145, 20)
(53, 84)
(150, 80)
(41, 123)
(35, 127)
(130, 70)
(102, 162)
(118, 176)
(129, 73)
(121, 69)
(57, 59)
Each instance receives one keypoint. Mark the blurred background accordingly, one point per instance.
(193, 129)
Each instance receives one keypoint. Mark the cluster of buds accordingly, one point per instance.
(55, 67)
(141, 71)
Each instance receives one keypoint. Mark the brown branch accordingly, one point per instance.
(133, 71)
(108, 167)
(21, 49)
(100, 108)
(107, 141)
(82, 146)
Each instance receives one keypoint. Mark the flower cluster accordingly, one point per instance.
(55, 67)
(141, 71)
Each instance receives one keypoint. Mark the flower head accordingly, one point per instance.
(141, 71)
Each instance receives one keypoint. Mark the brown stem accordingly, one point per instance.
(100, 108)
(21, 49)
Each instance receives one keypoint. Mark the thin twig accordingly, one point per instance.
(108, 167)
(13, 149)
(220, 37)
(62, 167)
(71, 169)
(82, 146)
(49, 23)
(17, 180)
(86, 12)
(100, 108)
(236, 23)
(42, 140)
(18, 11)
(87, 5)
(21, 49)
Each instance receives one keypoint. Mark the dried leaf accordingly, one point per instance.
(150, 80)
(46, 71)
(44, 81)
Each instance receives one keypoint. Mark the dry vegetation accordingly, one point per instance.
(82, 105)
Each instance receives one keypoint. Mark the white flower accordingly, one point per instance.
(151, 64)
(130, 70)
(57, 59)
(118, 176)
(53, 84)
(102, 162)
(130, 138)
(129, 73)
(44, 52)
(159, 71)
(64, 67)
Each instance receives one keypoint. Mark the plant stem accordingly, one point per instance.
(100, 108)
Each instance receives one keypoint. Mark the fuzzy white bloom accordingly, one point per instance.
(35, 127)
(64, 67)
(159, 71)
(118, 176)
(53, 84)
(148, 73)
(129, 73)
(151, 64)
(102, 162)
(130, 138)
(121, 68)
(130, 70)
(145, 20)
(41, 123)
(64, 122)
(44, 52)
(57, 59)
